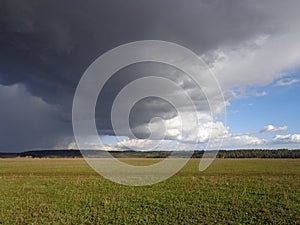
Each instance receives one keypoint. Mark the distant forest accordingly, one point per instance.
(257, 153)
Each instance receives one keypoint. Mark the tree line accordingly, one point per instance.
(255, 153)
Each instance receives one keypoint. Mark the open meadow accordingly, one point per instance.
(230, 191)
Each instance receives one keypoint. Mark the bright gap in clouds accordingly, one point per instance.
(268, 117)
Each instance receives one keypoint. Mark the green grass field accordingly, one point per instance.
(230, 191)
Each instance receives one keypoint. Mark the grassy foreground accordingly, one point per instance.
(230, 191)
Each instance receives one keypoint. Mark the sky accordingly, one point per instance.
(251, 47)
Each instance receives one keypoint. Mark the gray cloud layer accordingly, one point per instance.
(45, 47)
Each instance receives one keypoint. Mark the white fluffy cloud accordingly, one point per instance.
(188, 128)
(272, 128)
(230, 141)
(289, 138)
(242, 141)
(287, 82)
(242, 66)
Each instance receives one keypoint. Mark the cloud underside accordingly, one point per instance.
(44, 52)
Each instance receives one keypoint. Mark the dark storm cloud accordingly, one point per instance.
(27, 122)
(47, 45)
(50, 44)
